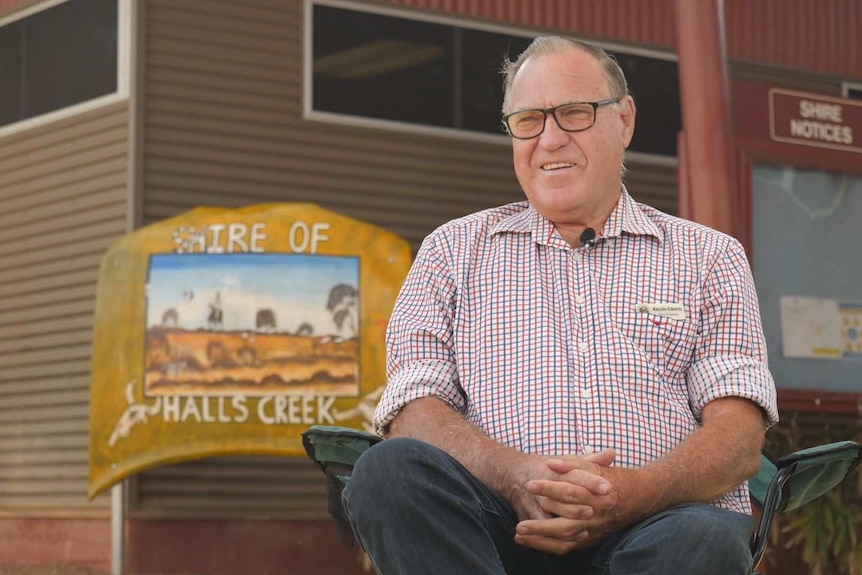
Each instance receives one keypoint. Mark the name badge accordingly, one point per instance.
(668, 310)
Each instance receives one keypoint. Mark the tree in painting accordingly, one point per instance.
(342, 305)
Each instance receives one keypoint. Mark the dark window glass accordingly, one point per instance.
(382, 67)
(654, 85)
(854, 93)
(483, 54)
(394, 68)
(10, 73)
(58, 57)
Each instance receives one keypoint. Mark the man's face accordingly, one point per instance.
(570, 177)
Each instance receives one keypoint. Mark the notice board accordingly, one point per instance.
(806, 239)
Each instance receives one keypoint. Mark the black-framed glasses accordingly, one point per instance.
(570, 117)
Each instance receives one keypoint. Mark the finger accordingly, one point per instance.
(556, 527)
(547, 544)
(554, 508)
(562, 491)
(573, 482)
(566, 463)
(552, 535)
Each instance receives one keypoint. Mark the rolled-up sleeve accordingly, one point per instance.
(731, 359)
(420, 360)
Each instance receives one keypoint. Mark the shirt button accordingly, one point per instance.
(589, 449)
(580, 299)
(582, 345)
(576, 256)
(586, 393)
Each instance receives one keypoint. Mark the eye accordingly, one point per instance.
(527, 119)
(575, 112)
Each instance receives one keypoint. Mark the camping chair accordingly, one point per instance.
(780, 485)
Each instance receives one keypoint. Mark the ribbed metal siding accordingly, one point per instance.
(637, 21)
(225, 487)
(817, 35)
(8, 5)
(62, 202)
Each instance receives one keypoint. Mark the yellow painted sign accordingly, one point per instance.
(229, 332)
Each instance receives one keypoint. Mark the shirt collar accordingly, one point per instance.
(626, 217)
(528, 221)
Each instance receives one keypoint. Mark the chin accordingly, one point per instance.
(561, 200)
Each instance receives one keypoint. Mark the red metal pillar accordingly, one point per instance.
(705, 97)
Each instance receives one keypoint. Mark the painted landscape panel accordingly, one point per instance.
(252, 324)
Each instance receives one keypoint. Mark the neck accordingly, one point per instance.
(571, 229)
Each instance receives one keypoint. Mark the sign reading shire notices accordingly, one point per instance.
(814, 120)
(229, 332)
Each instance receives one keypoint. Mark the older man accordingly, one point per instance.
(578, 382)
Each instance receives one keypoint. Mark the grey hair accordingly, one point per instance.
(545, 45)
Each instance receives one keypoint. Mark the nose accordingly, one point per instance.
(553, 137)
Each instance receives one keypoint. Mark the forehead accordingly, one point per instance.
(550, 79)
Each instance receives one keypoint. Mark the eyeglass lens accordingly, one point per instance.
(570, 117)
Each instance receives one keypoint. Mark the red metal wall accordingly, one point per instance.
(818, 35)
(7, 4)
(637, 21)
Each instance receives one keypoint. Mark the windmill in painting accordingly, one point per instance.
(252, 324)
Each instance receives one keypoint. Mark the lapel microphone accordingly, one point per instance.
(588, 238)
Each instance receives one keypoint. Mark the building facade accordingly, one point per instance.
(231, 103)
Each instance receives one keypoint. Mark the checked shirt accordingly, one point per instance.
(549, 349)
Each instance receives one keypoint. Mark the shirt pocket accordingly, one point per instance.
(678, 338)
(667, 343)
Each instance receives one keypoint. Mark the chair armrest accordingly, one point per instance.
(801, 477)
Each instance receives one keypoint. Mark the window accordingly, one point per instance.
(381, 67)
(58, 57)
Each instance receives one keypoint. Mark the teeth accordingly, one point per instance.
(557, 166)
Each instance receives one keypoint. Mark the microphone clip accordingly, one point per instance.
(588, 238)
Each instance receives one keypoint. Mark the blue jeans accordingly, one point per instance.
(416, 510)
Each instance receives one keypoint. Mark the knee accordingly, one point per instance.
(387, 469)
(690, 539)
(714, 537)
(714, 527)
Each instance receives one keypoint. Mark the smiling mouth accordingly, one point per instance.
(556, 166)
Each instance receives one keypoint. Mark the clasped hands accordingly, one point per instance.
(567, 502)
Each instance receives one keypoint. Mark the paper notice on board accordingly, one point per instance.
(851, 330)
(811, 327)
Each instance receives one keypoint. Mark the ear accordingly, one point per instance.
(627, 119)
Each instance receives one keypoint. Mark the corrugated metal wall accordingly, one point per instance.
(6, 5)
(224, 127)
(635, 21)
(62, 202)
(816, 35)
